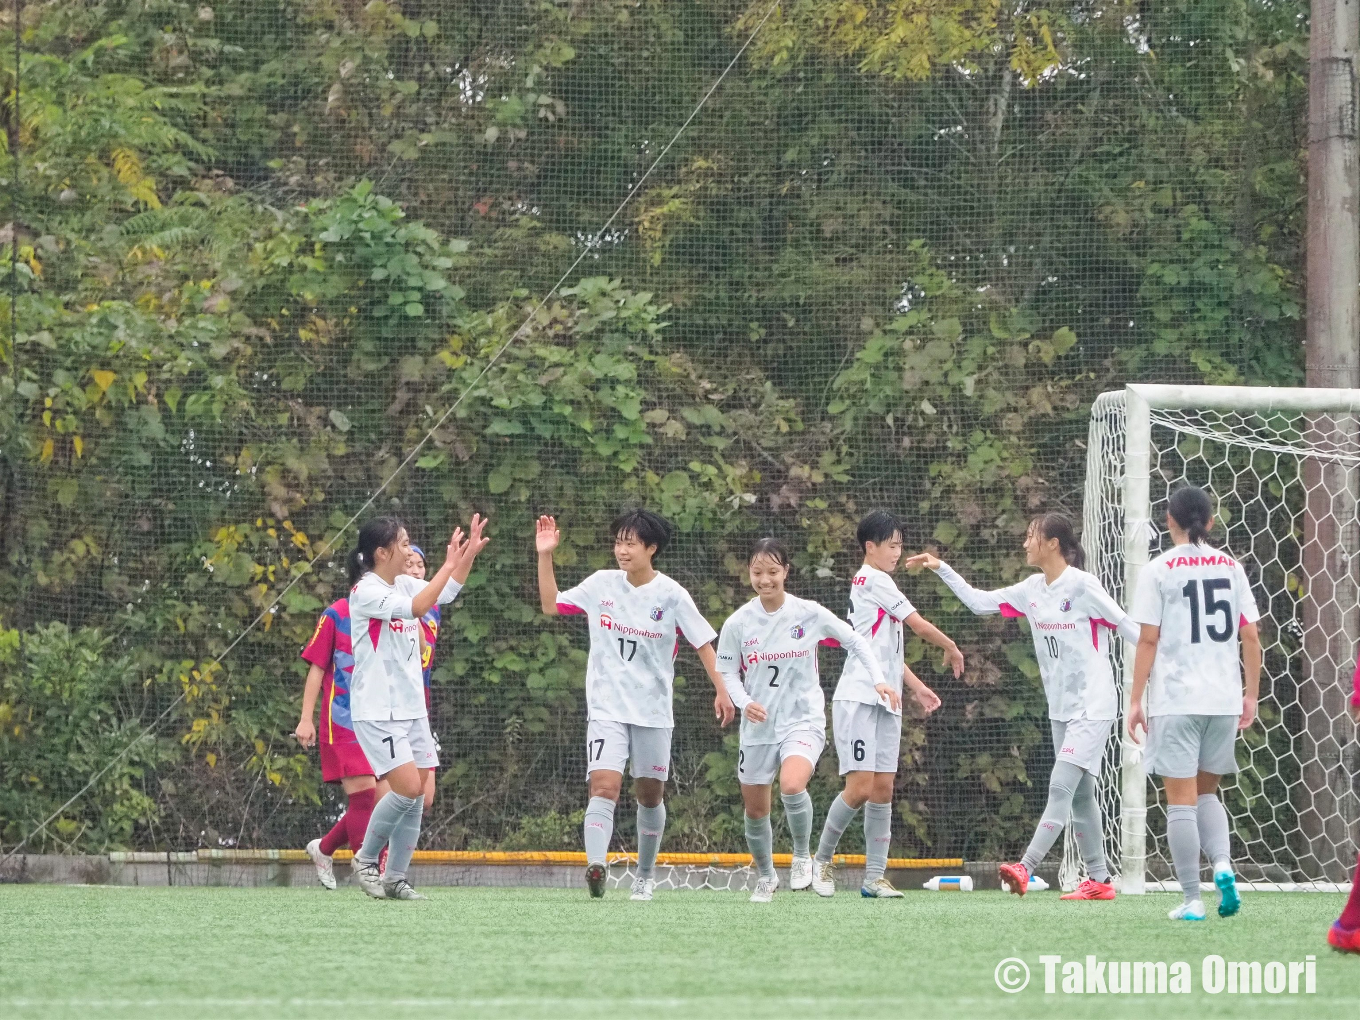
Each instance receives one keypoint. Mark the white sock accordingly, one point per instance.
(877, 839)
(599, 829)
(798, 815)
(651, 823)
(838, 816)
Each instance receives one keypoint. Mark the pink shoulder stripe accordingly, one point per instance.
(829, 642)
(567, 609)
(1010, 612)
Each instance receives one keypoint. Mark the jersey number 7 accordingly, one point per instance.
(1212, 607)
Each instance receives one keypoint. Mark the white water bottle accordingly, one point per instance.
(950, 883)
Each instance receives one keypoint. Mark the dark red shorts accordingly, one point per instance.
(343, 758)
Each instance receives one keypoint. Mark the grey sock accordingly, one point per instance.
(385, 818)
(760, 839)
(599, 829)
(877, 839)
(838, 816)
(1087, 827)
(1213, 830)
(798, 815)
(651, 823)
(402, 843)
(1062, 787)
(1182, 833)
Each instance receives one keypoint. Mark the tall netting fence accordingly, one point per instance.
(1284, 484)
(254, 250)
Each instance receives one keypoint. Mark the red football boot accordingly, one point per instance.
(1090, 889)
(1343, 940)
(1014, 878)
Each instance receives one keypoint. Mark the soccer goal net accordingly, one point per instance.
(1283, 469)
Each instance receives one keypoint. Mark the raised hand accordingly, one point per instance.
(467, 552)
(547, 536)
(928, 560)
(454, 549)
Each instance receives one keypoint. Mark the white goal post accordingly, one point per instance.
(1283, 469)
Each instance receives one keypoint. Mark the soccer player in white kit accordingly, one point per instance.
(1070, 618)
(637, 617)
(767, 654)
(1199, 637)
(387, 689)
(868, 723)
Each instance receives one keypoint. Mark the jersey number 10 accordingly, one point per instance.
(1212, 607)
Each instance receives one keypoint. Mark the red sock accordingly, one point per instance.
(356, 817)
(336, 838)
(1350, 917)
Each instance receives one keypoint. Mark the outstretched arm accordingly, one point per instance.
(458, 558)
(983, 603)
(932, 634)
(545, 541)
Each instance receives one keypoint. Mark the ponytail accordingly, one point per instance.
(1053, 525)
(1190, 508)
(379, 533)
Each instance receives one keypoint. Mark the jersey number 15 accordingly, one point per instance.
(1212, 607)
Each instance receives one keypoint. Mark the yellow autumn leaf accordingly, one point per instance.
(46, 454)
(79, 445)
(211, 759)
(103, 378)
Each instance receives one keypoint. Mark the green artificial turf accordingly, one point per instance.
(109, 951)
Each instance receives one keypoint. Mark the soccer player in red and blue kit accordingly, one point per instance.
(1345, 933)
(331, 657)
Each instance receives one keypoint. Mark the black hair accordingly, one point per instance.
(876, 526)
(1190, 508)
(379, 533)
(647, 527)
(1059, 526)
(774, 549)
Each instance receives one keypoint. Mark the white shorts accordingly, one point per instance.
(609, 745)
(757, 764)
(868, 737)
(391, 743)
(1082, 742)
(1182, 746)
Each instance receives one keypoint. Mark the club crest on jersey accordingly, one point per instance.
(1065, 605)
(606, 621)
(657, 613)
(796, 632)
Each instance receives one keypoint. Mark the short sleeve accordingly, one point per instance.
(1246, 601)
(576, 601)
(698, 631)
(1100, 606)
(831, 630)
(1147, 599)
(321, 647)
(377, 601)
(887, 597)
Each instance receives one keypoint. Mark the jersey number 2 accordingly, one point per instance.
(1212, 607)
(774, 680)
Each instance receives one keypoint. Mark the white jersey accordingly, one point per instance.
(771, 658)
(1070, 621)
(387, 681)
(634, 637)
(1200, 598)
(877, 610)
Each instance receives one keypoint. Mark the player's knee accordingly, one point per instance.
(607, 786)
(648, 792)
(792, 786)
